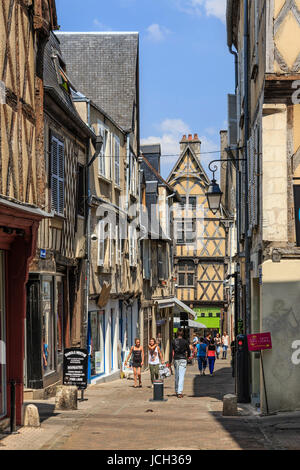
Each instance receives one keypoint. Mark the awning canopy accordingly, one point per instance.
(192, 324)
(93, 307)
(177, 305)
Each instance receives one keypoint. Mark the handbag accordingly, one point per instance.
(164, 371)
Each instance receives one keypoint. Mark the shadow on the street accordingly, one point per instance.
(214, 387)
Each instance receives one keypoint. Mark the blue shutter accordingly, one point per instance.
(57, 175)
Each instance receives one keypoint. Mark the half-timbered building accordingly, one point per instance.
(105, 67)
(24, 29)
(200, 238)
(56, 284)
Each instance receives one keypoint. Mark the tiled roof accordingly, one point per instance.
(104, 67)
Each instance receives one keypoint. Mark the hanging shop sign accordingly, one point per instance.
(75, 367)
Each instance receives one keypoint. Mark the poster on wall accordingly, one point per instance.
(75, 367)
(259, 342)
(98, 369)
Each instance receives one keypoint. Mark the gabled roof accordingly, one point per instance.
(104, 66)
(177, 164)
(158, 178)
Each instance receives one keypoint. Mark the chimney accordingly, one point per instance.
(183, 143)
(193, 142)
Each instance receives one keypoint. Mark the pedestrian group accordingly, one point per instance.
(205, 349)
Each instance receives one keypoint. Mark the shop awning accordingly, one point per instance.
(177, 305)
(192, 324)
(93, 307)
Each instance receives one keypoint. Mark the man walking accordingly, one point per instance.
(180, 353)
(225, 344)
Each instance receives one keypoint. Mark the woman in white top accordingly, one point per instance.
(225, 344)
(154, 356)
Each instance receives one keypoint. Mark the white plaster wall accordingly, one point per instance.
(274, 158)
(281, 316)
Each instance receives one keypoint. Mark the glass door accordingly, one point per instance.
(2, 337)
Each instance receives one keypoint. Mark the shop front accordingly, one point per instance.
(46, 329)
(3, 384)
(18, 233)
(103, 334)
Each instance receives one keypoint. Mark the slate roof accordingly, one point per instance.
(53, 88)
(104, 66)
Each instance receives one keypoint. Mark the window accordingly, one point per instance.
(193, 202)
(147, 259)
(183, 201)
(57, 175)
(117, 160)
(133, 173)
(186, 231)
(48, 326)
(186, 273)
(101, 243)
(210, 315)
(105, 156)
(132, 246)
(97, 326)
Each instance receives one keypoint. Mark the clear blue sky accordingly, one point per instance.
(186, 69)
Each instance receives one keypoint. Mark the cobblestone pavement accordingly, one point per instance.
(116, 416)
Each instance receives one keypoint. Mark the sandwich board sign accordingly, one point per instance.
(75, 367)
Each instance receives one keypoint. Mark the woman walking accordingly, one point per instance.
(202, 356)
(154, 356)
(211, 355)
(218, 343)
(137, 353)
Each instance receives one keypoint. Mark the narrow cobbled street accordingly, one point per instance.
(116, 416)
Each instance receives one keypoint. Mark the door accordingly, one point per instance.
(2, 337)
(33, 360)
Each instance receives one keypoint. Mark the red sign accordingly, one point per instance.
(259, 341)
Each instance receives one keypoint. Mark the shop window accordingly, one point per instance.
(48, 345)
(60, 330)
(2, 338)
(97, 320)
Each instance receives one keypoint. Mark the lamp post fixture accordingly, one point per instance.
(214, 193)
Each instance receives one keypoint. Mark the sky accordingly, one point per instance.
(186, 70)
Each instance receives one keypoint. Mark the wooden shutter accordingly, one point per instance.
(57, 175)
(117, 161)
(101, 243)
(232, 120)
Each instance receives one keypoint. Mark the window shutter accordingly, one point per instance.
(111, 242)
(101, 242)
(232, 120)
(117, 161)
(57, 175)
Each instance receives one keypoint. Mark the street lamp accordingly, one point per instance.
(214, 196)
(214, 193)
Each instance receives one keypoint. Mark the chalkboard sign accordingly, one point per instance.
(75, 367)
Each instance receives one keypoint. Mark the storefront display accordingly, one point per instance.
(97, 354)
(2, 338)
(48, 346)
